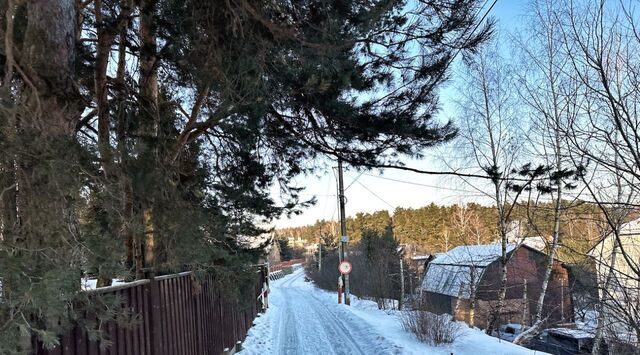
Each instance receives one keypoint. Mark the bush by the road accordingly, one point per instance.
(431, 328)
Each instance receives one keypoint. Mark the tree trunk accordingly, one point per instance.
(502, 292)
(538, 320)
(46, 158)
(148, 82)
(472, 296)
(602, 305)
(47, 124)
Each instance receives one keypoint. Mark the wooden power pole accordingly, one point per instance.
(320, 253)
(343, 231)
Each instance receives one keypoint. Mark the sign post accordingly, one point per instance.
(345, 268)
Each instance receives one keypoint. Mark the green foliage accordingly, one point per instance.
(286, 252)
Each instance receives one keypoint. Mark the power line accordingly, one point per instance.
(374, 194)
(420, 184)
(477, 24)
(354, 181)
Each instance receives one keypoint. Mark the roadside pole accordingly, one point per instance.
(320, 254)
(343, 231)
(400, 303)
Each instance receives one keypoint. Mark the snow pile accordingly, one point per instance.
(303, 319)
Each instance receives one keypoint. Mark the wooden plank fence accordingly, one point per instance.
(175, 315)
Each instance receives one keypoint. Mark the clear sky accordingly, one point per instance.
(375, 190)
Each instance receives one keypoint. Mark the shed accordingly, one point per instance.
(467, 272)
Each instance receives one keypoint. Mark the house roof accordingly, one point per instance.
(451, 273)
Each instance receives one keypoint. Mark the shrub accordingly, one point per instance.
(431, 328)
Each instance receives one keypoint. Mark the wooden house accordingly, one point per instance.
(617, 261)
(468, 278)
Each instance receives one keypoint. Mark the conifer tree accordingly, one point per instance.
(145, 135)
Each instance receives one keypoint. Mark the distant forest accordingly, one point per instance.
(434, 228)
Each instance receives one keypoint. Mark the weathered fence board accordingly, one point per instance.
(175, 314)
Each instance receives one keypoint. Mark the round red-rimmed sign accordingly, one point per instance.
(344, 267)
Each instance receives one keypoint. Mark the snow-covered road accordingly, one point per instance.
(309, 326)
(302, 319)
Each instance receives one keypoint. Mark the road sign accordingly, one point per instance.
(344, 267)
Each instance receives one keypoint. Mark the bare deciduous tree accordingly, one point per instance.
(490, 140)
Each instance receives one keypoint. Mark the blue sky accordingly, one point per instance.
(372, 191)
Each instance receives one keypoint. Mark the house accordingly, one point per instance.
(465, 283)
(626, 267)
(621, 297)
(517, 235)
(420, 262)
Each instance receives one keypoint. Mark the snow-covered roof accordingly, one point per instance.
(450, 273)
(475, 255)
(574, 333)
(538, 243)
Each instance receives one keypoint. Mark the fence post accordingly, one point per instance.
(155, 330)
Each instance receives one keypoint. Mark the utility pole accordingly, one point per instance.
(400, 303)
(343, 231)
(320, 253)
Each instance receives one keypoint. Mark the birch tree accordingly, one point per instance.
(604, 38)
(490, 140)
(548, 94)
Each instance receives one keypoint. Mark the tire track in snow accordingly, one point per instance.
(307, 325)
(355, 330)
(339, 336)
(289, 341)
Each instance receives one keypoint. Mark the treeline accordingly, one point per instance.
(435, 228)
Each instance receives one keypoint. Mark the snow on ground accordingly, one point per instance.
(303, 319)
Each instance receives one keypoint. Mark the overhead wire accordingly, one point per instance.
(354, 181)
(374, 194)
(420, 184)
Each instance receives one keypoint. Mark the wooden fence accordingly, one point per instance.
(175, 315)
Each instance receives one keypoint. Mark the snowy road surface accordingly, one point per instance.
(305, 320)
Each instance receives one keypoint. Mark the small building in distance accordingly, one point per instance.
(620, 296)
(472, 272)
